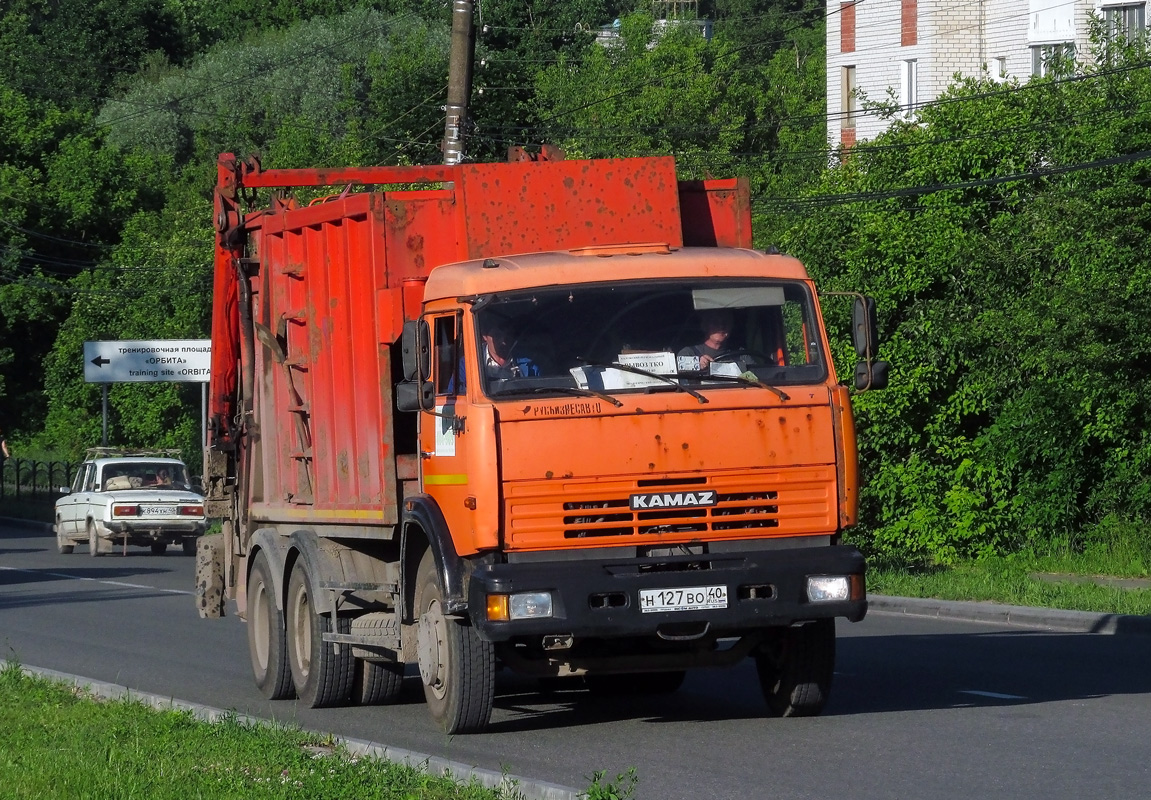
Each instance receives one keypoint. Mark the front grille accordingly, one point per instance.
(750, 504)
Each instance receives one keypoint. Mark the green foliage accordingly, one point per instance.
(369, 78)
(732, 106)
(622, 788)
(1015, 312)
(156, 284)
(73, 52)
(62, 200)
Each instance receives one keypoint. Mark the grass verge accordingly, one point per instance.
(1003, 580)
(58, 742)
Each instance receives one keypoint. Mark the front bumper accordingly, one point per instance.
(600, 598)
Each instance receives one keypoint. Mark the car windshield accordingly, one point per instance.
(649, 336)
(163, 475)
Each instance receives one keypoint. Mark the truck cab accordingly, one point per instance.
(624, 491)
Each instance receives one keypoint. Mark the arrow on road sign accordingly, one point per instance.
(100, 361)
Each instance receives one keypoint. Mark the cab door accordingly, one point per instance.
(444, 431)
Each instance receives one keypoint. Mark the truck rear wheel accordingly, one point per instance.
(322, 675)
(457, 667)
(796, 667)
(376, 683)
(266, 634)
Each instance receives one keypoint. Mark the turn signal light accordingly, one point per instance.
(498, 607)
(191, 511)
(125, 511)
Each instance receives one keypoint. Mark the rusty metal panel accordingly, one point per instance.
(422, 232)
(331, 400)
(716, 213)
(657, 443)
(529, 207)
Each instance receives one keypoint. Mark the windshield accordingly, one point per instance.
(144, 475)
(649, 336)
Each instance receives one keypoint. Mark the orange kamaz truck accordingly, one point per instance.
(551, 416)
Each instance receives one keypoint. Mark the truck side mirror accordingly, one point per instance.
(415, 395)
(865, 327)
(871, 375)
(415, 351)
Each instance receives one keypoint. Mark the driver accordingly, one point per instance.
(497, 355)
(716, 324)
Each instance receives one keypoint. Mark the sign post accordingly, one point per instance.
(150, 360)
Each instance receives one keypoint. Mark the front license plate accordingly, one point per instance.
(155, 511)
(694, 598)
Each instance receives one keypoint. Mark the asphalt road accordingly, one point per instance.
(921, 708)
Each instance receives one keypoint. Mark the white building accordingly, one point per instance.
(912, 49)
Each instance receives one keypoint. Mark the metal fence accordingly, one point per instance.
(25, 478)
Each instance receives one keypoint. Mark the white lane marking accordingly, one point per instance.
(96, 580)
(993, 695)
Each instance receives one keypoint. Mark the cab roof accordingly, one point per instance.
(605, 264)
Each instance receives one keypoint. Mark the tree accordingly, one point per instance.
(1002, 233)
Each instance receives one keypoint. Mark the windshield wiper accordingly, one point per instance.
(638, 371)
(748, 381)
(576, 391)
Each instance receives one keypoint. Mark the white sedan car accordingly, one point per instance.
(130, 499)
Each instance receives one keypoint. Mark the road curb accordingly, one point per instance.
(514, 785)
(1020, 616)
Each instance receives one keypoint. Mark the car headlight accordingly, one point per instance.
(522, 605)
(833, 588)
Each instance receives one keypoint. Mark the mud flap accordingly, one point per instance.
(210, 576)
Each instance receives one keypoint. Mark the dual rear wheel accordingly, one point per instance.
(290, 657)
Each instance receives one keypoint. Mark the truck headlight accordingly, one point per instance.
(829, 588)
(522, 605)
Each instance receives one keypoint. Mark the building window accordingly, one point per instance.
(1052, 59)
(847, 101)
(1124, 23)
(1001, 67)
(909, 87)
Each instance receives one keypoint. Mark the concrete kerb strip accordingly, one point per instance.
(1053, 619)
(513, 785)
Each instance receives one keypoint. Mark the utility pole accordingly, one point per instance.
(459, 80)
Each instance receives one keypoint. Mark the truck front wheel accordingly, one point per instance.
(323, 676)
(266, 634)
(795, 669)
(457, 667)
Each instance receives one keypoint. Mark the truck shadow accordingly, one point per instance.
(874, 675)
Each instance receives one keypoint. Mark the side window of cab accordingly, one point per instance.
(448, 366)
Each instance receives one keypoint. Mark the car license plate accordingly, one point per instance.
(694, 598)
(156, 511)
